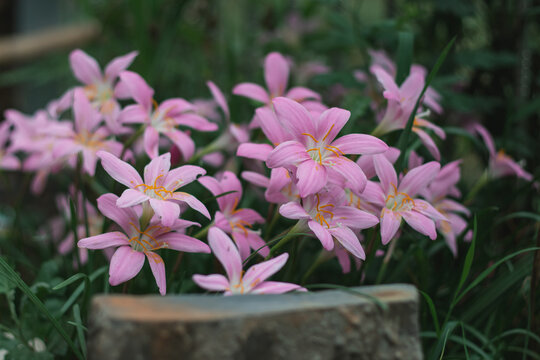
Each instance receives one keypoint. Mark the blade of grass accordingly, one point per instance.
(80, 289)
(13, 276)
(404, 55)
(432, 311)
(80, 328)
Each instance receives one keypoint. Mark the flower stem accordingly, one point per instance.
(132, 139)
(480, 183)
(271, 224)
(291, 234)
(320, 259)
(202, 233)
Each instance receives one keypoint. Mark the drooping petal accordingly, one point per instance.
(294, 117)
(286, 154)
(214, 282)
(167, 211)
(262, 271)
(104, 241)
(428, 143)
(138, 88)
(125, 264)
(131, 197)
(254, 151)
(183, 142)
(427, 124)
(192, 202)
(418, 178)
(158, 270)
(276, 287)
(293, 210)
(386, 173)
(488, 139)
(322, 234)
(119, 170)
(387, 81)
(252, 91)
(348, 239)
(122, 216)
(390, 222)
(118, 65)
(219, 97)
(151, 142)
(276, 73)
(420, 223)
(257, 243)
(360, 144)
(226, 252)
(84, 67)
(312, 177)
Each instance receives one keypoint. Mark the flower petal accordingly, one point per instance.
(294, 117)
(354, 218)
(255, 178)
(118, 65)
(84, 67)
(418, 178)
(322, 234)
(251, 91)
(348, 239)
(428, 143)
(390, 222)
(360, 144)
(330, 123)
(214, 282)
(219, 98)
(386, 173)
(299, 94)
(254, 151)
(131, 197)
(104, 241)
(263, 270)
(271, 126)
(312, 177)
(158, 270)
(122, 216)
(156, 171)
(138, 88)
(181, 176)
(183, 142)
(425, 208)
(167, 211)
(226, 252)
(119, 170)
(286, 154)
(125, 264)
(420, 223)
(276, 73)
(192, 202)
(151, 142)
(293, 210)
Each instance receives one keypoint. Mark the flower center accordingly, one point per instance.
(143, 241)
(399, 201)
(320, 150)
(154, 191)
(323, 211)
(88, 140)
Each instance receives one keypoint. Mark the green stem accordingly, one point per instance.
(321, 258)
(132, 139)
(480, 183)
(291, 234)
(202, 233)
(386, 260)
(271, 225)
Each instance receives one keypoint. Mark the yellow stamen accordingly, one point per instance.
(328, 133)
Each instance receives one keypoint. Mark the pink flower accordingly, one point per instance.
(315, 156)
(329, 218)
(135, 243)
(401, 101)
(276, 75)
(87, 138)
(234, 221)
(159, 185)
(236, 282)
(397, 199)
(100, 87)
(437, 194)
(279, 187)
(500, 164)
(161, 119)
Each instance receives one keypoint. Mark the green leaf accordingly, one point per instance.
(520, 215)
(403, 141)
(433, 311)
(486, 272)
(468, 262)
(80, 328)
(75, 295)
(13, 276)
(71, 280)
(404, 55)
(441, 343)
